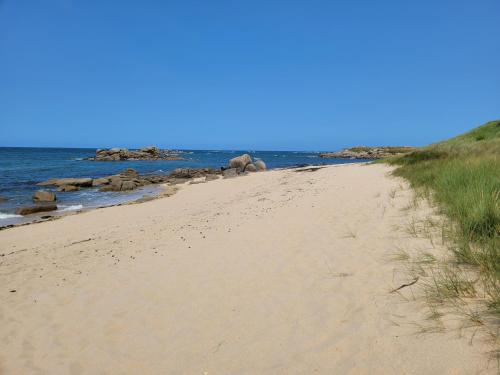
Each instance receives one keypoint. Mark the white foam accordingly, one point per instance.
(8, 216)
(70, 208)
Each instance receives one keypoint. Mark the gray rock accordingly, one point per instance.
(240, 161)
(44, 196)
(66, 188)
(34, 209)
(261, 166)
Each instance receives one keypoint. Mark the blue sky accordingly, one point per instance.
(286, 75)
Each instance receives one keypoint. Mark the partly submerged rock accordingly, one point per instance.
(44, 196)
(82, 182)
(28, 210)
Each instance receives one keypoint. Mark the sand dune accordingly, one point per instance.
(281, 272)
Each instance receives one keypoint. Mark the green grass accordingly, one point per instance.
(462, 176)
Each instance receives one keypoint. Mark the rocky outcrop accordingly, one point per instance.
(81, 182)
(145, 153)
(363, 152)
(28, 210)
(44, 196)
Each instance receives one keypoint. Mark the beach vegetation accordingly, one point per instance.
(461, 177)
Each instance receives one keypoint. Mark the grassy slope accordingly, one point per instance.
(462, 175)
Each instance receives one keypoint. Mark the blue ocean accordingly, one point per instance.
(22, 168)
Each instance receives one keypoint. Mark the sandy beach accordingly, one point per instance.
(278, 272)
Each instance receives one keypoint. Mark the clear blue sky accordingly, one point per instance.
(304, 75)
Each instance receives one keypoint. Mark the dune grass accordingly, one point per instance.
(462, 176)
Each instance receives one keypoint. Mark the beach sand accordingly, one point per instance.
(280, 272)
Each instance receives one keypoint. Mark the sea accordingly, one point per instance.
(21, 168)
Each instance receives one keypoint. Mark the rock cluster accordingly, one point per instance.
(363, 152)
(243, 164)
(129, 179)
(145, 153)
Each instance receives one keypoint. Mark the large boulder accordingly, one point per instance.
(44, 196)
(260, 165)
(240, 161)
(34, 209)
(82, 182)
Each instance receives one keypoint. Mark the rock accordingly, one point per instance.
(114, 150)
(191, 172)
(100, 181)
(128, 185)
(128, 179)
(2, 199)
(250, 168)
(44, 196)
(230, 172)
(240, 161)
(145, 153)
(261, 166)
(150, 149)
(67, 188)
(34, 209)
(82, 182)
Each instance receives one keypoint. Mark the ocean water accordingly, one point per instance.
(22, 168)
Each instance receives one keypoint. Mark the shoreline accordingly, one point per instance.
(146, 197)
(283, 272)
